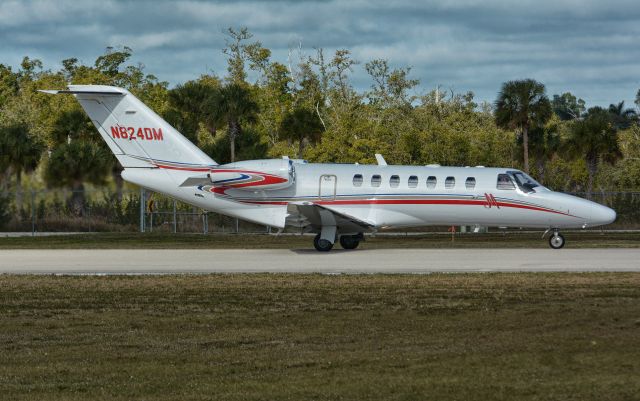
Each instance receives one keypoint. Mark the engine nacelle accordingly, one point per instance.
(254, 175)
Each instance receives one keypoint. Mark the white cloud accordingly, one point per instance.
(588, 47)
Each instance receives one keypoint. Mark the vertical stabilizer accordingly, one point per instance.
(135, 133)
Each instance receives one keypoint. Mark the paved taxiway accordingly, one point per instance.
(124, 261)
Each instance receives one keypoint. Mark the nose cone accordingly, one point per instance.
(603, 215)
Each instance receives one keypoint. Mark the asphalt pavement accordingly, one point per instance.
(175, 261)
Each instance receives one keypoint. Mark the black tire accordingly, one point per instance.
(556, 241)
(349, 241)
(322, 245)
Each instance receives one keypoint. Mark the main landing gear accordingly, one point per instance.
(556, 241)
(350, 241)
(322, 245)
(346, 241)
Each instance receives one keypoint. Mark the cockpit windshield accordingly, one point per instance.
(524, 182)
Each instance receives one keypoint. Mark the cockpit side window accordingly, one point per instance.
(504, 182)
(525, 183)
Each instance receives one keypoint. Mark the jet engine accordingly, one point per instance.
(267, 174)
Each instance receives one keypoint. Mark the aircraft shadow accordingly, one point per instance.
(307, 251)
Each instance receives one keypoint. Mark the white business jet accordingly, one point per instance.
(338, 202)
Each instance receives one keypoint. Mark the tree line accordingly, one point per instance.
(307, 107)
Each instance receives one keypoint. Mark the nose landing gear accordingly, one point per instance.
(556, 241)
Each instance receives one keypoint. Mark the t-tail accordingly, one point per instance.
(137, 136)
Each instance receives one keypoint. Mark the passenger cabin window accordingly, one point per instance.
(431, 182)
(413, 181)
(504, 182)
(376, 180)
(394, 181)
(449, 182)
(470, 183)
(357, 180)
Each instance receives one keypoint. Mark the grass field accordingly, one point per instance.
(584, 239)
(298, 337)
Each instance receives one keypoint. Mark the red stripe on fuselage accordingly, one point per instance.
(453, 202)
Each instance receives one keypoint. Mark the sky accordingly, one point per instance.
(588, 47)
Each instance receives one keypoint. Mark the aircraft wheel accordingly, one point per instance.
(556, 241)
(349, 241)
(322, 245)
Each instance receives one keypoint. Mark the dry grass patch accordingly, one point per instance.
(265, 337)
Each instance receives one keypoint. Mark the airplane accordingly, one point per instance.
(337, 202)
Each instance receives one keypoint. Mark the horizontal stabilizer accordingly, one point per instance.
(196, 181)
(109, 91)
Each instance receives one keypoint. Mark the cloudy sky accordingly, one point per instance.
(591, 48)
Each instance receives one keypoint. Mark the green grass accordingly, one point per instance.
(298, 337)
(585, 239)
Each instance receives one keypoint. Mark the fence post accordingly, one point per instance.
(142, 209)
(237, 226)
(175, 223)
(205, 222)
(33, 213)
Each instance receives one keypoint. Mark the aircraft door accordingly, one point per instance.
(328, 185)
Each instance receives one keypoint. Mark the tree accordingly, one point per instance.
(595, 138)
(195, 101)
(110, 63)
(79, 155)
(302, 125)
(74, 163)
(20, 151)
(338, 70)
(544, 143)
(8, 84)
(391, 86)
(622, 118)
(235, 50)
(235, 105)
(522, 105)
(567, 106)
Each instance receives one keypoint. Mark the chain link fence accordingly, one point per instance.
(108, 211)
(144, 211)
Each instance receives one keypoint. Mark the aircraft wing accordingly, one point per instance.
(305, 214)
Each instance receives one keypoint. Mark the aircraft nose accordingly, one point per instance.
(604, 215)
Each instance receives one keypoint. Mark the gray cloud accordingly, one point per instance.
(587, 47)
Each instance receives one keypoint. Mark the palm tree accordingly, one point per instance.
(303, 125)
(79, 155)
(544, 144)
(20, 151)
(595, 138)
(193, 100)
(234, 104)
(75, 163)
(622, 117)
(522, 105)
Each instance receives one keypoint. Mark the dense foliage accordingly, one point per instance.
(308, 108)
